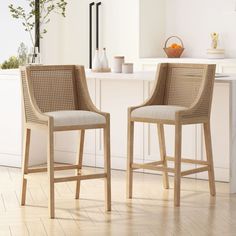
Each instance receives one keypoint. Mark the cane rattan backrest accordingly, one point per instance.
(30, 115)
(52, 88)
(183, 84)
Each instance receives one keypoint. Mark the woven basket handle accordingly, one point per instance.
(174, 37)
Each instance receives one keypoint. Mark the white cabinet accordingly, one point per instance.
(220, 132)
(228, 68)
(115, 96)
(11, 121)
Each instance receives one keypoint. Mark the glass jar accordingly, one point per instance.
(34, 56)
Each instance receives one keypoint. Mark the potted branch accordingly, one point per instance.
(35, 18)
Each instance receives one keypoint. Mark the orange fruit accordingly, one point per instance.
(173, 45)
(178, 46)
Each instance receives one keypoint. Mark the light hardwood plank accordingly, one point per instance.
(19, 230)
(5, 230)
(35, 228)
(150, 212)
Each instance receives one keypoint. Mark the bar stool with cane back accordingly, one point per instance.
(182, 95)
(56, 98)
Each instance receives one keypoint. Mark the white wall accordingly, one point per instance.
(194, 20)
(12, 32)
(152, 23)
(133, 32)
(121, 28)
(51, 47)
(123, 31)
(67, 39)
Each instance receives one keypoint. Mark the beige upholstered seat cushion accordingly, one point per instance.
(159, 112)
(76, 117)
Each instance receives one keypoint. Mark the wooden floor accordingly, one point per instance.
(151, 212)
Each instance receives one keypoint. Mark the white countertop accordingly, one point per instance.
(137, 75)
(147, 75)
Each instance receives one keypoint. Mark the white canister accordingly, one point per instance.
(117, 64)
(127, 68)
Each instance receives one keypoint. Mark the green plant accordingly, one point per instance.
(32, 14)
(11, 63)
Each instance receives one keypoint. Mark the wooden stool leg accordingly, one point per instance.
(130, 147)
(25, 164)
(161, 138)
(107, 165)
(208, 144)
(177, 178)
(79, 161)
(50, 166)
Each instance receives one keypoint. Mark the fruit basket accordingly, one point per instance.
(174, 50)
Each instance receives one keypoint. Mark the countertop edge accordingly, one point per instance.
(136, 76)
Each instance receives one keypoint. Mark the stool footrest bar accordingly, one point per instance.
(187, 160)
(56, 168)
(80, 177)
(194, 171)
(152, 167)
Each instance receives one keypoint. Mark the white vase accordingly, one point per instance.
(96, 65)
(104, 60)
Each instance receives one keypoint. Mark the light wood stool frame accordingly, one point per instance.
(36, 119)
(197, 112)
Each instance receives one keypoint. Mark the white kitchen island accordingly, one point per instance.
(114, 93)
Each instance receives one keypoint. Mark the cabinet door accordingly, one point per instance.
(11, 121)
(115, 96)
(219, 132)
(228, 68)
(66, 143)
(189, 144)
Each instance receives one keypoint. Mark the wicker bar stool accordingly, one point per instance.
(56, 98)
(182, 95)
